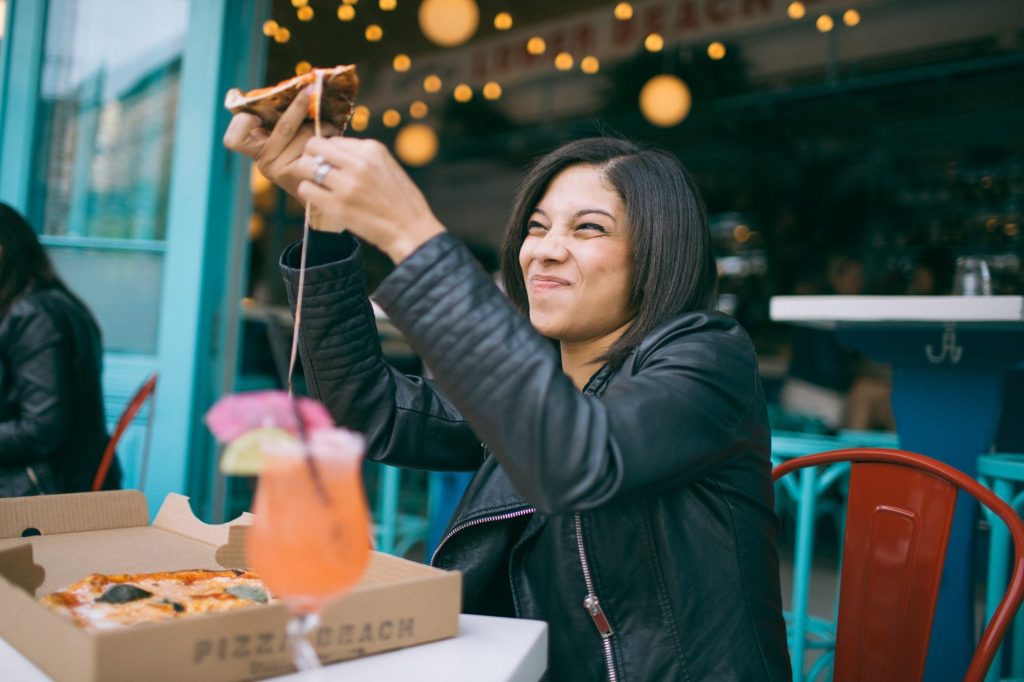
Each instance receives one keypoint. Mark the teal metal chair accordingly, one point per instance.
(808, 495)
(396, 530)
(1003, 474)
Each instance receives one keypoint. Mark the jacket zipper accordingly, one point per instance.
(593, 606)
(476, 522)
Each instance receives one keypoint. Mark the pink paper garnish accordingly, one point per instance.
(236, 413)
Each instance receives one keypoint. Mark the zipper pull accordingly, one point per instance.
(593, 607)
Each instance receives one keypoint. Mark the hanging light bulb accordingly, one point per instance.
(796, 10)
(449, 22)
(536, 45)
(590, 64)
(418, 109)
(401, 62)
(654, 42)
(416, 144)
(825, 23)
(388, 5)
(492, 90)
(374, 33)
(300, 3)
(503, 21)
(563, 61)
(269, 28)
(463, 93)
(303, 67)
(432, 83)
(665, 101)
(623, 11)
(282, 35)
(305, 13)
(346, 12)
(391, 118)
(851, 17)
(716, 50)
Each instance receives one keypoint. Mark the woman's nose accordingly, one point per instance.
(552, 247)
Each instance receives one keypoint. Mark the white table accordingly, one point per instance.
(486, 649)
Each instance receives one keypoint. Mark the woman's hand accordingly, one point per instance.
(277, 152)
(369, 193)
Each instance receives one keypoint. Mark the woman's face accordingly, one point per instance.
(576, 258)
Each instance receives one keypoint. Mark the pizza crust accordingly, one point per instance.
(340, 87)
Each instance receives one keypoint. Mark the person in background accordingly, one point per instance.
(614, 421)
(52, 426)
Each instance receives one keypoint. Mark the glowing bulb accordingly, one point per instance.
(492, 90)
(282, 35)
(536, 45)
(416, 144)
(851, 17)
(665, 101)
(796, 10)
(269, 27)
(303, 67)
(401, 62)
(418, 109)
(374, 33)
(432, 83)
(361, 110)
(463, 93)
(391, 118)
(503, 21)
(825, 23)
(449, 22)
(350, 2)
(563, 61)
(623, 11)
(388, 5)
(716, 50)
(300, 3)
(590, 64)
(305, 13)
(359, 123)
(654, 42)
(346, 12)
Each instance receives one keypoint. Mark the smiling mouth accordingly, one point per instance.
(546, 283)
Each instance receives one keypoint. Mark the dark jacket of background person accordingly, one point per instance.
(651, 490)
(52, 426)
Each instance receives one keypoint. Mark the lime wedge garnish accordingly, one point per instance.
(244, 456)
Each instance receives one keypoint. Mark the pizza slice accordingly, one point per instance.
(333, 97)
(99, 602)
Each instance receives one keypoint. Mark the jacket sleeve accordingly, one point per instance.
(404, 418)
(682, 407)
(39, 363)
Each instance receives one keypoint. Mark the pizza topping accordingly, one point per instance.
(178, 608)
(123, 593)
(248, 592)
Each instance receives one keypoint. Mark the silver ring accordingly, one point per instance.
(321, 170)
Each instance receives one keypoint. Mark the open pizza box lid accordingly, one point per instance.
(398, 603)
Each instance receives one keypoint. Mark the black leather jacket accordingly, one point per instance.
(51, 397)
(635, 518)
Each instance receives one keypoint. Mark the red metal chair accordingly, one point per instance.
(133, 407)
(899, 512)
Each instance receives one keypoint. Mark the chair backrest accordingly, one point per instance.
(133, 407)
(899, 514)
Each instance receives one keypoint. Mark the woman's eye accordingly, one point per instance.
(591, 227)
(534, 227)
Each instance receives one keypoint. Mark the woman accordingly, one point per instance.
(622, 490)
(52, 428)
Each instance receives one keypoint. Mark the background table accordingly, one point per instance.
(949, 355)
(486, 650)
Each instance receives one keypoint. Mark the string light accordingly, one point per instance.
(654, 42)
(851, 17)
(463, 93)
(300, 3)
(449, 22)
(716, 50)
(305, 13)
(623, 11)
(350, 2)
(590, 64)
(269, 28)
(492, 90)
(796, 10)
(346, 12)
(361, 110)
(825, 23)
(418, 109)
(665, 100)
(416, 144)
(359, 123)
(391, 118)
(303, 67)
(503, 21)
(374, 33)
(282, 35)
(388, 5)
(536, 45)
(563, 61)
(401, 62)
(432, 83)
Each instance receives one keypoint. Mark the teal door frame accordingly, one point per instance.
(203, 265)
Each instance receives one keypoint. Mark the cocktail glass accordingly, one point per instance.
(310, 538)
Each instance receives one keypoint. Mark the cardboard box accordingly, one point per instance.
(397, 604)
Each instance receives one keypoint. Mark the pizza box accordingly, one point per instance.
(49, 542)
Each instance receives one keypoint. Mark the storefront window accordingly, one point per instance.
(101, 178)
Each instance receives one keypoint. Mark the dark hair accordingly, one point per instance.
(24, 262)
(673, 265)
